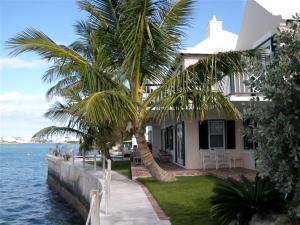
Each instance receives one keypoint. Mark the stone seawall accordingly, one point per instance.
(72, 182)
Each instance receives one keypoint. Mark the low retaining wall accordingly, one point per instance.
(72, 182)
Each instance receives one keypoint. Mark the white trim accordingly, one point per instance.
(174, 162)
(262, 39)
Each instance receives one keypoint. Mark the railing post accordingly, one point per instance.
(83, 159)
(95, 207)
(108, 177)
(95, 163)
(106, 192)
(73, 156)
(107, 173)
(103, 165)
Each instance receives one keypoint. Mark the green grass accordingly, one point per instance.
(185, 201)
(122, 167)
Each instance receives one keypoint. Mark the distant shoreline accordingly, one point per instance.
(55, 143)
(9, 143)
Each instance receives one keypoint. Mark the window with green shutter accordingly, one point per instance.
(217, 134)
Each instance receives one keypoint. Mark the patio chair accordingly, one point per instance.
(234, 157)
(222, 158)
(164, 156)
(208, 158)
(137, 157)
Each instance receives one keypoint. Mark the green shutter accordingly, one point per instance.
(203, 134)
(230, 134)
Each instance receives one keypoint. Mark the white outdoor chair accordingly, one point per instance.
(208, 158)
(222, 158)
(234, 157)
(137, 157)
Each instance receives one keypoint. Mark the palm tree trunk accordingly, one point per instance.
(106, 153)
(148, 160)
(104, 150)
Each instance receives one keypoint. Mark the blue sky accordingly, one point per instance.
(22, 93)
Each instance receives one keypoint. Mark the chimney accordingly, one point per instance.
(214, 26)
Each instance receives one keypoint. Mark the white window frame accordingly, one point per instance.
(209, 134)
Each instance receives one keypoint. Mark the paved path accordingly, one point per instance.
(129, 204)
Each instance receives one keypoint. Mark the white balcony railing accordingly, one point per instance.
(236, 85)
(230, 85)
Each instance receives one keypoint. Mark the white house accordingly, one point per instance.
(218, 141)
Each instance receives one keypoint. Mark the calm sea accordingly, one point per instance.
(25, 197)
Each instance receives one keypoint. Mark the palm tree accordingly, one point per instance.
(90, 135)
(123, 45)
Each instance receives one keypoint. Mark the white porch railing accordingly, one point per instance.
(106, 170)
(219, 158)
(94, 212)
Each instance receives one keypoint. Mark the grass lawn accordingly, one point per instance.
(122, 167)
(185, 201)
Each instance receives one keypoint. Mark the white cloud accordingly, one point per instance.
(22, 115)
(18, 63)
(11, 96)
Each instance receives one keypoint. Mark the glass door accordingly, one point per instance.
(180, 146)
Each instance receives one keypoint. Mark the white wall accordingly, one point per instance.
(192, 151)
(247, 158)
(156, 145)
(190, 60)
(257, 26)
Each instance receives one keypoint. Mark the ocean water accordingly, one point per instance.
(25, 197)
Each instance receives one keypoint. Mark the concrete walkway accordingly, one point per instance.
(128, 204)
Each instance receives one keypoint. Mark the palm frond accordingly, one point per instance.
(102, 11)
(60, 86)
(32, 40)
(176, 15)
(54, 130)
(59, 112)
(58, 71)
(110, 106)
(194, 91)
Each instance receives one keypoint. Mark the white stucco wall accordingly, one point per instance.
(257, 26)
(156, 145)
(246, 155)
(190, 60)
(192, 153)
(193, 158)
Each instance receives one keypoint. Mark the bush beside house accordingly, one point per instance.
(275, 126)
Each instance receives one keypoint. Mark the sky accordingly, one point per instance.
(22, 92)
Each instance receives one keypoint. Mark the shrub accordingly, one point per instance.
(67, 156)
(55, 152)
(240, 200)
(275, 124)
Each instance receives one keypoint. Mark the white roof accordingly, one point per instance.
(218, 40)
(285, 8)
